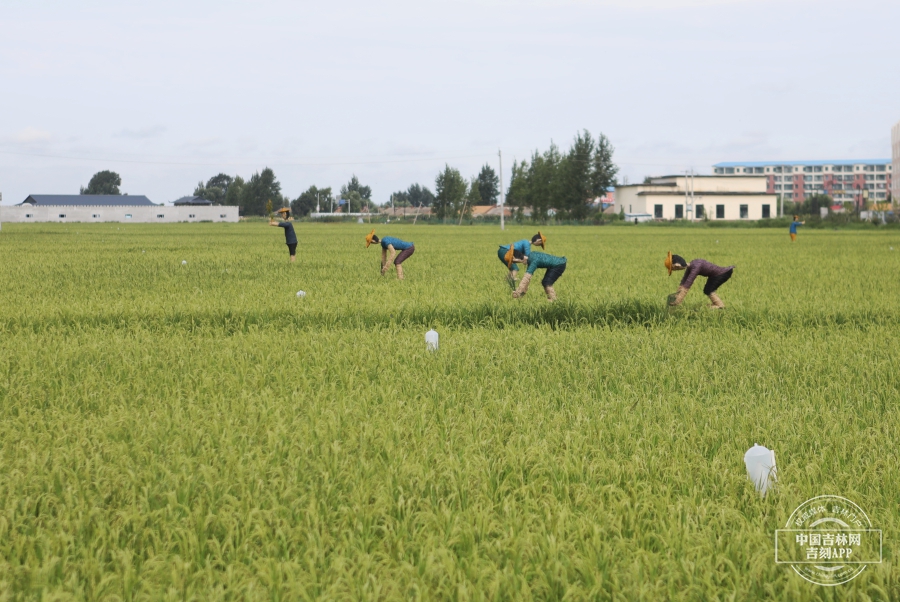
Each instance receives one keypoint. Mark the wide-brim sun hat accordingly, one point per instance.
(283, 210)
(508, 258)
(668, 262)
(543, 238)
(369, 237)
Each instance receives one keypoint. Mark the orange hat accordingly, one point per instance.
(543, 238)
(668, 262)
(283, 210)
(369, 238)
(508, 258)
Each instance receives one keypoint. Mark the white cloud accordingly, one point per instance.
(145, 132)
(31, 135)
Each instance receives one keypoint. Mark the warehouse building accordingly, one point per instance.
(699, 197)
(110, 208)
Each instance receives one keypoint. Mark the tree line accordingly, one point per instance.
(566, 183)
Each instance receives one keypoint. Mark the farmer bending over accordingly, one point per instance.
(524, 247)
(392, 245)
(554, 265)
(716, 276)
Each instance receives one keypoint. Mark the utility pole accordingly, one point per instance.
(502, 209)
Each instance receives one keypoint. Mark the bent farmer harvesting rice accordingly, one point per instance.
(554, 265)
(392, 245)
(794, 225)
(716, 276)
(290, 237)
(523, 246)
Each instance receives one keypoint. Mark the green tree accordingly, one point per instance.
(103, 182)
(261, 187)
(306, 203)
(420, 196)
(215, 190)
(235, 193)
(451, 193)
(605, 171)
(354, 186)
(488, 186)
(400, 199)
(576, 189)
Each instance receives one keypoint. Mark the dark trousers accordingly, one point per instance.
(714, 282)
(404, 255)
(553, 274)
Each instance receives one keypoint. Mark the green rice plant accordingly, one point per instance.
(198, 432)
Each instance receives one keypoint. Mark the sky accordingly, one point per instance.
(170, 93)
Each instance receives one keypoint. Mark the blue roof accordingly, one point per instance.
(793, 163)
(89, 200)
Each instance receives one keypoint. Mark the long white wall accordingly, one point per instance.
(895, 151)
(142, 215)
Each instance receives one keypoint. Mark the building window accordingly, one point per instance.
(719, 170)
(757, 170)
(744, 212)
(62, 216)
(699, 211)
(657, 211)
(766, 212)
(679, 211)
(29, 215)
(160, 216)
(720, 211)
(95, 215)
(222, 215)
(127, 216)
(729, 170)
(191, 216)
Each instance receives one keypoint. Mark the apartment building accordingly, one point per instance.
(895, 151)
(857, 180)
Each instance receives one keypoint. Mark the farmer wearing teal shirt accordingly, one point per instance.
(389, 243)
(554, 265)
(522, 246)
(794, 225)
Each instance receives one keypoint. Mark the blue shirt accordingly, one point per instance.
(290, 238)
(400, 245)
(523, 246)
(794, 226)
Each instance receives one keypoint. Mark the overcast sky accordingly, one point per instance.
(168, 93)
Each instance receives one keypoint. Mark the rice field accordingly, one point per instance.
(196, 431)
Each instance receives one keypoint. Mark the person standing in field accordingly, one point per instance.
(554, 265)
(524, 247)
(391, 245)
(290, 237)
(716, 276)
(794, 225)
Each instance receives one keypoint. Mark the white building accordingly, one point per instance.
(714, 198)
(895, 163)
(856, 180)
(110, 208)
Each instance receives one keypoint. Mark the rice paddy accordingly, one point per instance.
(197, 431)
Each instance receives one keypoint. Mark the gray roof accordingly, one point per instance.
(89, 200)
(192, 200)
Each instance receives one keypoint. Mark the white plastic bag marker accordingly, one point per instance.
(431, 340)
(760, 462)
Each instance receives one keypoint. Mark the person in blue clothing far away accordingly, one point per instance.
(794, 225)
(505, 253)
(391, 245)
(290, 237)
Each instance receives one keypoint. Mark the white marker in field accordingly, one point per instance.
(301, 294)
(431, 340)
(184, 262)
(761, 470)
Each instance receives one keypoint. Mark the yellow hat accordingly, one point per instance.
(543, 240)
(508, 258)
(369, 237)
(668, 262)
(283, 210)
